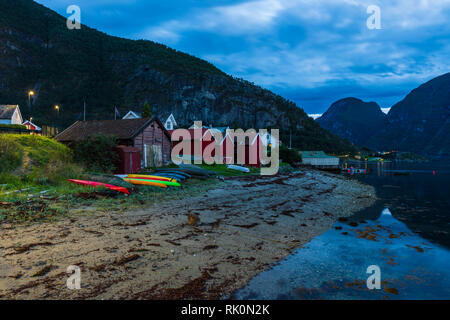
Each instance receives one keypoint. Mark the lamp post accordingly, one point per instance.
(57, 109)
(30, 93)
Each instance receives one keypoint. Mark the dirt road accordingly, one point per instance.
(245, 226)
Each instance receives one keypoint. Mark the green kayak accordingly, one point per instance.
(167, 183)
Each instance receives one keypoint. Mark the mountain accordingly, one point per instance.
(420, 123)
(66, 67)
(354, 119)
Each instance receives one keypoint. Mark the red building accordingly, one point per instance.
(147, 135)
(31, 126)
(228, 146)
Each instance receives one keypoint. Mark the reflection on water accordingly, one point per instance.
(334, 265)
(420, 199)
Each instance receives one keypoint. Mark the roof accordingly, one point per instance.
(7, 111)
(28, 122)
(132, 113)
(314, 154)
(121, 129)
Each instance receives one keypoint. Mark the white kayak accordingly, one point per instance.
(238, 168)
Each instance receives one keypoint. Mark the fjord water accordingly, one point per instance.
(405, 233)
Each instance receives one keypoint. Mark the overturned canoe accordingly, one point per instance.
(149, 177)
(143, 182)
(99, 184)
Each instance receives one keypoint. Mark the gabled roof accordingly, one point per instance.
(121, 129)
(28, 122)
(7, 111)
(132, 113)
(172, 119)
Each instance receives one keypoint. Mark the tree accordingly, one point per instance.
(146, 112)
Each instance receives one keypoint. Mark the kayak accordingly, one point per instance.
(180, 173)
(191, 173)
(150, 177)
(166, 183)
(238, 168)
(99, 184)
(157, 178)
(172, 175)
(146, 182)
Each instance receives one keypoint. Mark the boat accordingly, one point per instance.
(149, 177)
(145, 182)
(238, 168)
(165, 182)
(172, 173)
(172, 176)
(99, 184)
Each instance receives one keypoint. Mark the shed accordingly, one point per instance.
(10, 114)
(319, 159)
(129, 160)
(148, 135)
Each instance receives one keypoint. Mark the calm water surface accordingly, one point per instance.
(405, 234)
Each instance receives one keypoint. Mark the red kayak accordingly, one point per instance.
(99, 184)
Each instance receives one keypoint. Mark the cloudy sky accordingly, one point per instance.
(313, 52)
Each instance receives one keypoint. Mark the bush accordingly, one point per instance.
(96, 153)
(13, 126)
(290, 156)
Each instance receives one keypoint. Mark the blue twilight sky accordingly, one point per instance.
(310, 51)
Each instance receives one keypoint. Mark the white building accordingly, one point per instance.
(132, 115)
(10, 114)
(319, 159)
(170, 123)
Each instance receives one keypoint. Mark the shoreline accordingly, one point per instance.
(246, 225)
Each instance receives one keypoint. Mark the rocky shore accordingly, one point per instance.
(233, 232)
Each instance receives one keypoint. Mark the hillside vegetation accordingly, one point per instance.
(67, 67)
(32, 159)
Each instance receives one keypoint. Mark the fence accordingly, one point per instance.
(49, 131)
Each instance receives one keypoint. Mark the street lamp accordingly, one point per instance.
(57, 109)
(30, 93)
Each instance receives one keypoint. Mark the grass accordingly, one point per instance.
(220, 169)
(38, 167)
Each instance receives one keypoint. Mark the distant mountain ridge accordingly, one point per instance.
(353, 119)
(420, 123)
(68, 67)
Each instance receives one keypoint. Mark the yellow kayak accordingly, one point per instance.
(150, 177)
(145, 183)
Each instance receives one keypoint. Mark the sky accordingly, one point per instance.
(312, 52)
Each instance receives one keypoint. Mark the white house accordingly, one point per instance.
(170, 123)
(132, 115)
(10, 114)
(319, 159)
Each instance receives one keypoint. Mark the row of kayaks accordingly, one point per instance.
(162, 178)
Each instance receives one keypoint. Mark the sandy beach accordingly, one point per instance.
(245, 225)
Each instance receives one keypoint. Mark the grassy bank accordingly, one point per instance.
(34, 186)
(32, 161)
